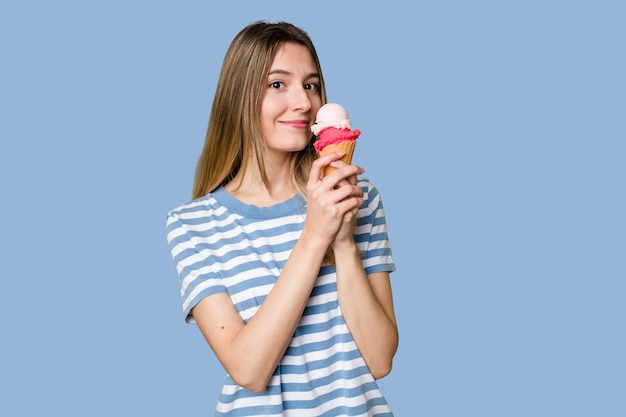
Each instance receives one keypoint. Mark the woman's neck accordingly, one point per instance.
(249, 188)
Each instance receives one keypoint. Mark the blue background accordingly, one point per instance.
(494, 130)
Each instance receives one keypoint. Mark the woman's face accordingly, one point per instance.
(291, 100)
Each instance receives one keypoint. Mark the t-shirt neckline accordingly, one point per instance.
(290, 206)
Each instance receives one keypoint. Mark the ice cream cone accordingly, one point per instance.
(345, 146)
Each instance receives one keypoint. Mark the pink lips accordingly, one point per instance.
(298, 124)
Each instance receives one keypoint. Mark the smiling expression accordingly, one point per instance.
(291, 99)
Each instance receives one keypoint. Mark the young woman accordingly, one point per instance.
(284, 270)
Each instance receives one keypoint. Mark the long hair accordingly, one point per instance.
(234, 132)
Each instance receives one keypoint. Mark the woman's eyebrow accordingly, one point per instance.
(285, 72)
(279, 71)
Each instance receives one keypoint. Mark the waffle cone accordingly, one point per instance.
(345, 146)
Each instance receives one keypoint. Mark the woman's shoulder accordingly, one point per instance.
(200, 204)
(364, 183)
(369, 189)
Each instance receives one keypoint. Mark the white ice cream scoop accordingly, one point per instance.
(331, 115)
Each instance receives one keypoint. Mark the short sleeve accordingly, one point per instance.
(196, 277)
(371, 233)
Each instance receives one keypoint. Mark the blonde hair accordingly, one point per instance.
(234, 132)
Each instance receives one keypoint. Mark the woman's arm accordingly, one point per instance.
(250, 352)
(367, 306)
(366, 301)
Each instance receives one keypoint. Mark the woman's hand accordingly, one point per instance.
(332, 201)
(348, 226)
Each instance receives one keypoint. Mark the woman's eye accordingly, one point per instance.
(276, 84)
(312, 87)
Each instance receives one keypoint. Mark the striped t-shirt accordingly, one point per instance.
(220, 244)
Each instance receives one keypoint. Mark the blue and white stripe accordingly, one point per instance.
(220, 244)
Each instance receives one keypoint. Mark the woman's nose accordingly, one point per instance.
(301, 100)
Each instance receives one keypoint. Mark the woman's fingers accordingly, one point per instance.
(332, 199)
(317, 170)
